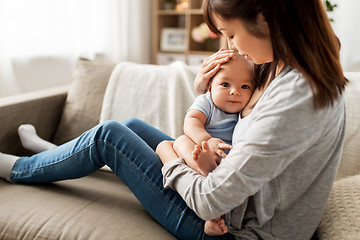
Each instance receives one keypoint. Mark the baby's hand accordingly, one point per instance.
(218, 146)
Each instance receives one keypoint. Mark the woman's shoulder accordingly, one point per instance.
(291, 94)
(290, 78)
(289, 86)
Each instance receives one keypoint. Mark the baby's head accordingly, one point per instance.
(233, 85)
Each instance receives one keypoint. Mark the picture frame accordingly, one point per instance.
(173, 39)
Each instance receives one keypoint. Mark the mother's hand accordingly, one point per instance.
(209, 68)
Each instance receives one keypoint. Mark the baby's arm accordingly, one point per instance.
(194, 126)
(190, 147)
(195, 134)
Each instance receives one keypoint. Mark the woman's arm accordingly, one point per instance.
(284, 137)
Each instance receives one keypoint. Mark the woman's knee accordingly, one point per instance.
(112, 132)
(132, 123)
(109, 124)
(110, 127)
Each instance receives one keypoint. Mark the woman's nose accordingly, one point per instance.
(230, 44)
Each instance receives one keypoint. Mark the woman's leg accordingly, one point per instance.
(130, 158)
(146, 132)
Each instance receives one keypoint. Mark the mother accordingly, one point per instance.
(275, 181)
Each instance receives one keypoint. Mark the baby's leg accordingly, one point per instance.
(31, 141)
(184, 147)
(205, 159)
(215, 227)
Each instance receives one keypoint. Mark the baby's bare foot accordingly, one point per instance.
(195, 153)
(215, 227)
(204, 158)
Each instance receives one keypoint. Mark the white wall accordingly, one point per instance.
(41, 40)
(42, 72)
(347, 27)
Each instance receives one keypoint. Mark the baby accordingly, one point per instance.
(210, 121)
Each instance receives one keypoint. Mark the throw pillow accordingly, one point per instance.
(84, 100)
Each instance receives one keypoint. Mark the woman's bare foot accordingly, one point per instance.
(215, 227)
(204, 158)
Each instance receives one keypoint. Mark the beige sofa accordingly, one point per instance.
(100, 206)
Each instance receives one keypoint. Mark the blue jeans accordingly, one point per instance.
(128, 149)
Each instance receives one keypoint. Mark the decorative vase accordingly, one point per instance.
(169, 5)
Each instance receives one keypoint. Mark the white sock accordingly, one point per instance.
(7, 162)
(31, 141)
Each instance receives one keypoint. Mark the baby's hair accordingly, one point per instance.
(238, 55)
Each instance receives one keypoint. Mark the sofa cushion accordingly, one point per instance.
(83, 103)
(98, 206)
(350, 159)
(341, 217)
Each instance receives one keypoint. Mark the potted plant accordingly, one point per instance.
(169, 4)
(329, 6)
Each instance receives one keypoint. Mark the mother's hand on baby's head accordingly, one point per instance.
(209, 68)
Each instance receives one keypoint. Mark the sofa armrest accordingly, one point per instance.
(42, 108)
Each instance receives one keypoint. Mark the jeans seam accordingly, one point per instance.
(14, 174)
(12, 170)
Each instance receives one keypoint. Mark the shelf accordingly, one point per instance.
(196, 11)
(179, 12)
(166, 20)
(171, 12)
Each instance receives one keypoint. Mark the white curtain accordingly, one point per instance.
(112, 30)
(347, 27)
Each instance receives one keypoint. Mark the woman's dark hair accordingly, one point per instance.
(301, 36)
